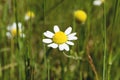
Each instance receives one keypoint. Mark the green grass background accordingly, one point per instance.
(25, 59)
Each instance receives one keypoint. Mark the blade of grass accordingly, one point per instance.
(113, 24)
(105, 43)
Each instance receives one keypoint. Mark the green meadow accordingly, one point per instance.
(92, 52)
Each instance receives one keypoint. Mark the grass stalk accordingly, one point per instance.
(46, 60)
(74, 24)
(48, 69)
(16, 20)
(12, 54)
(105, 43)
(116, 7)
(91, 62)
(109, 65)
(28, 69)
(17, 39)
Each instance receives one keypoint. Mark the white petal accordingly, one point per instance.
(47, 40)
(22, 35)
(56, 29)
(14, 26)
(53, 45)
(26, 17)
(72, 34)
(72, 38)
(20, 26)
(70, 43)
(68, 30)
(48, 34)
(97, 2)
(66, 47)
(61, 47)
(9, 28)
(8, 34)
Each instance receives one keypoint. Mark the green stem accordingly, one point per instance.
(109, 65)
(115, 12)
(81, 71)
(12, 53)
(72, 57)
(116, 7)
(109, 69)
(18, 51)
(27, 69)
(45, 57)
(16, 20)
(105, 46)
(62, 70)
(74, 24)
(48, 69)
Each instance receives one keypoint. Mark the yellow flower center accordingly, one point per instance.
(80, 15)
(30, 14)
(59, 37)
(14, 32)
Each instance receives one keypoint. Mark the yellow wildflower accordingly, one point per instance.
(80, 16)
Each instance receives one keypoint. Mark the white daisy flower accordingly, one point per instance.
(98, 2)
(60, 39)
(12, 30)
